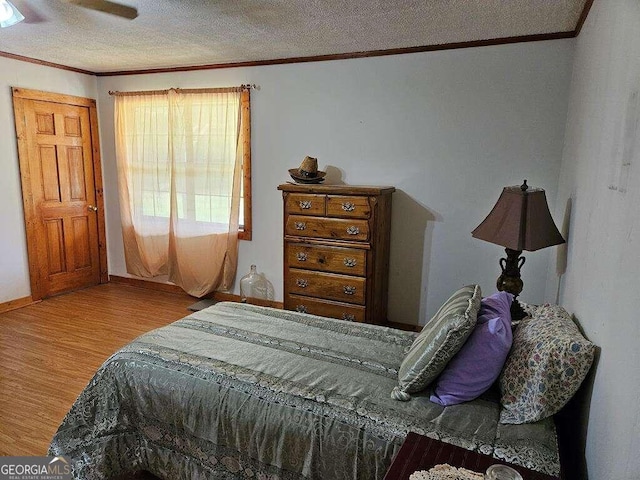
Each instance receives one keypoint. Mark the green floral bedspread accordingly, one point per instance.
(239, 391)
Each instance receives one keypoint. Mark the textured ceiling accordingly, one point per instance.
(180, 33)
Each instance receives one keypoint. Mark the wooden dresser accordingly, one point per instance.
(336, 250)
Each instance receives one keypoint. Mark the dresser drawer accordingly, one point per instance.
(348, 206)
(333, 228)
(305, 204)
(343, 288)
(351, 261)
(325, 308)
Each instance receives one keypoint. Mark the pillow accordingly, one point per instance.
(439, 340)
(548, 361)
(479, 362)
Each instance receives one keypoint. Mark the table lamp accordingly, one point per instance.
(520, 220)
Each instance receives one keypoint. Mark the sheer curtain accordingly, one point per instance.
(179, 157)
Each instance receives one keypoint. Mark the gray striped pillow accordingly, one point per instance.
(439, 341)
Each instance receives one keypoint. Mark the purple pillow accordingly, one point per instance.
(479, 362)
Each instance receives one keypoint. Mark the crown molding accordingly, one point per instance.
(323, 58)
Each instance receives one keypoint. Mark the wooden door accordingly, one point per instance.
(62, 191)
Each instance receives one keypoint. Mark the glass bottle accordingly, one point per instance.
(501, 472)
(255, 285)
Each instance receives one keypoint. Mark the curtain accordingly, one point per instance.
(179, 158)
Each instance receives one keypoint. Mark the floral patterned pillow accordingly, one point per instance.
(548, 361)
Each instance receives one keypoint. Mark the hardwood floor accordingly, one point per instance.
(49, 351)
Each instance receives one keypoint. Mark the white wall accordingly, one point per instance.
(14, 269)
(448, 129)
(599, 203)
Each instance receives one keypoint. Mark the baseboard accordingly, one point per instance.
(140, 283)
(404, 326)
(230, 297)
(17, 303)
(171, 288)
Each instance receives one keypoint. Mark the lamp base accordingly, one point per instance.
(510, 281)
(517, 312)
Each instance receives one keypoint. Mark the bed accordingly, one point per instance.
(241, 391)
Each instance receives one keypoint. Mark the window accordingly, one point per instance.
(200, 167)
(184, 176)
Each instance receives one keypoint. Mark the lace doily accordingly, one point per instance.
(446, 472)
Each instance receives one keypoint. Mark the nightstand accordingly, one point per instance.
(421, 453)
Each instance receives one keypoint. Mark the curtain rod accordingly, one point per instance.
(187, 90)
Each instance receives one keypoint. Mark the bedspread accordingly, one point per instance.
(239, 391)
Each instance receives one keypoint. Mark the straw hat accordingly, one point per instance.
(308, 171)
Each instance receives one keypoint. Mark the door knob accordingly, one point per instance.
(92, 208)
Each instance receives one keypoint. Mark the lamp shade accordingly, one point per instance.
(520, 220)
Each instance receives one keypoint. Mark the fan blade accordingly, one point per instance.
(108, 7)
(31, 14)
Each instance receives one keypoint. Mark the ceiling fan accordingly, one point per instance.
(10, 15)
(106, 6)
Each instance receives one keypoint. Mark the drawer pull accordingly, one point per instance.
(349, 290)
(353, 230)
(301, 309)
(349, 317)
(305, 204)
(302, 283)
(350, 262)
(300, 226)
(348, 206)
(302, 256)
